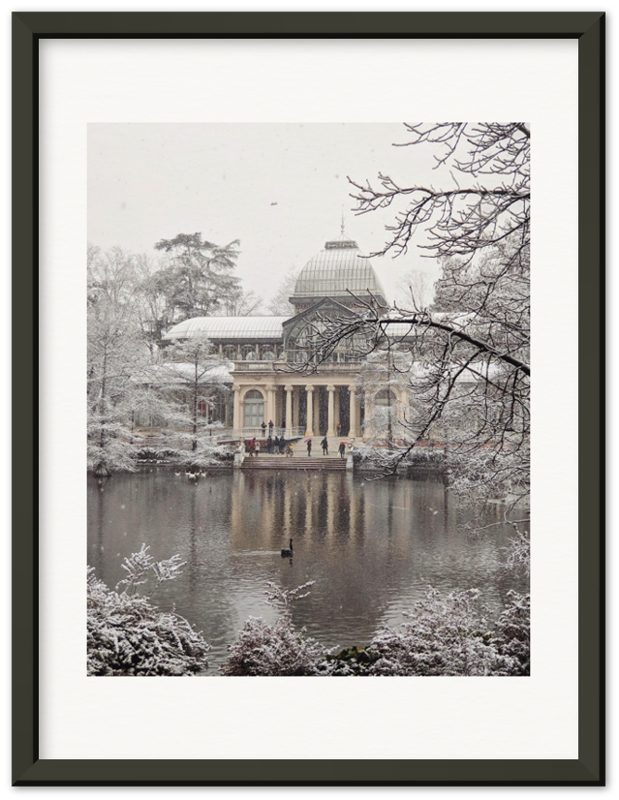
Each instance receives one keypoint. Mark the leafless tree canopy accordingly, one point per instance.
(466, 358)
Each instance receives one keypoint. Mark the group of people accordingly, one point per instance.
(279, 445)
(274, 446)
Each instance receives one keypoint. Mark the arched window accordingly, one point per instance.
(253, 409)
(266, 354)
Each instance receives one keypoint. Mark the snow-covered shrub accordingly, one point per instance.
(512, 636)
(128, 635)
(518, 553)
(207, 454)
(111, 447)
(263, 649)
(443, 636)
(158, 454)
(279, 649)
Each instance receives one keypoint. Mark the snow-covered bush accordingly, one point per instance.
(207, 454)
(512, 636)
(279, 649)
(263, 649)
(128, 635)
(111, 447)
(443, 636)
(518, 553)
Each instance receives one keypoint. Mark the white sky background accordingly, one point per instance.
(148, 182)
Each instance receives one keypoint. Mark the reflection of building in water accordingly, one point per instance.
(269, 508)
(259, 348)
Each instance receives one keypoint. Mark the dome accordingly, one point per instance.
(336, 271)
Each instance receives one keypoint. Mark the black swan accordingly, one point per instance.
(287, 551)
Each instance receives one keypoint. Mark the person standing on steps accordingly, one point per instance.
(264, 427)
(338, 429)
(257, 448)
(309, 447)
(290, 450)
(270, 427)
(325, 446)
(342, 449)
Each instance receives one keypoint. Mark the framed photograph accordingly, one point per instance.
(311, 472)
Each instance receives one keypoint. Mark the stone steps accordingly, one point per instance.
(296, 462)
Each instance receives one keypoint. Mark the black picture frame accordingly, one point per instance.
(588, 29)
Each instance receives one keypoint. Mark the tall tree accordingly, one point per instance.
(199, 278)
(116, 352)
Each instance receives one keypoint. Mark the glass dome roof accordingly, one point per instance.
(336, 271)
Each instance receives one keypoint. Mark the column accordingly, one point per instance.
(353, 432)
(317, 410)
(270, 409)
(331, 411)
(296, 406)
(289, 390)
(221, 351)
(310, 410)
(338, 412)
(237, 422)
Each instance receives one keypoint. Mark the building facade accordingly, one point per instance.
(267, 354)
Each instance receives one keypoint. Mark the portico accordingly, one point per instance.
(298, 403)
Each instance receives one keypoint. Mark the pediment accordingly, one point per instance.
(325, 307)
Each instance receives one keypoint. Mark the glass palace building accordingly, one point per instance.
(266, 354)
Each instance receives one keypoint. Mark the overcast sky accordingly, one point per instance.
(279, 189)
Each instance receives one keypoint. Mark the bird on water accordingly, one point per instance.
(287, 551)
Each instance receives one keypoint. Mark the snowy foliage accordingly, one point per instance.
(138, 567)
(365, 455)
(207, 454)
(111, 446)
(263, 649)
(131, 381)
(512, 636)
(127, 635)
(443, 636)
(518, 556)
(169, 569)
(276, 596)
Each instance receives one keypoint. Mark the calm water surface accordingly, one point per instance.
(372, 547)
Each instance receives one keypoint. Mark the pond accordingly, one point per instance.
(372, 547)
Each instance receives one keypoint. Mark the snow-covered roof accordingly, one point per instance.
(228, 328)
